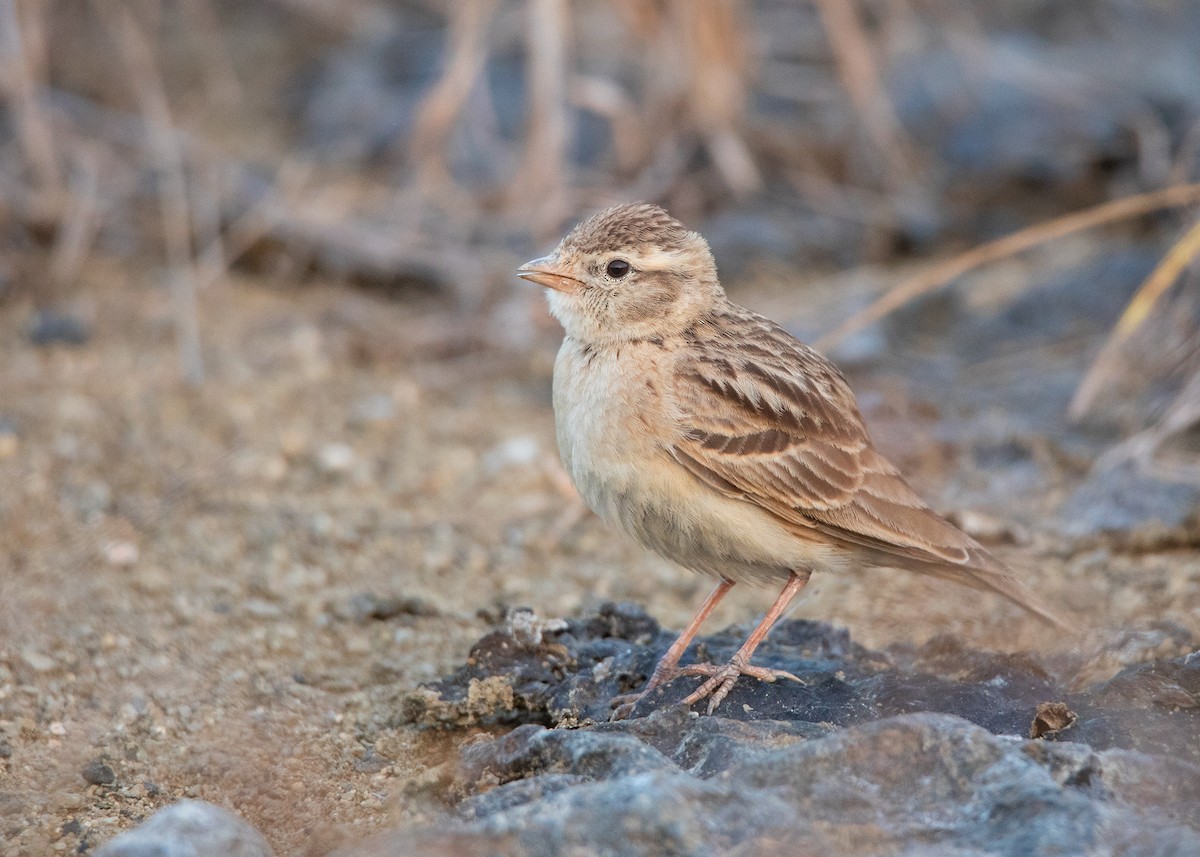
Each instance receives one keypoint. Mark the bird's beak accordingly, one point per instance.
(547, 271)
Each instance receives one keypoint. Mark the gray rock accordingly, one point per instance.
(58, 327)
(96, 773)
(190, 828)
(918, 750)
(925, 784)
(1121, 499)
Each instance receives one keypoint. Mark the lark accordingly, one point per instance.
(709, 434)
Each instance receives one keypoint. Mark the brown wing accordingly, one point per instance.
(769, 420)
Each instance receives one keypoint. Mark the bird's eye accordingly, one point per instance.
(617, 268)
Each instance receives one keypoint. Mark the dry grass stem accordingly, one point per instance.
(253, 225)
(855, 57)
(221, 81)
(80, 221)
(717, 83)
(173, 196)
(444, 102)
(945, 272)
(541, 181)
(605, 98)
(1164, 275)
(22, 77)
(1182, 415)
(340, 16)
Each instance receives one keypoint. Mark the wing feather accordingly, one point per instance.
(774, 423)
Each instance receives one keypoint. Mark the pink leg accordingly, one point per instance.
(723, 678)
(668, 665)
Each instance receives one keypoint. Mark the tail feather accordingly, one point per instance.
(984, 571)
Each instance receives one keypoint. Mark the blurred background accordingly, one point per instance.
(275, 432)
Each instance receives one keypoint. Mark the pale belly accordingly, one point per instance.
(614, 439)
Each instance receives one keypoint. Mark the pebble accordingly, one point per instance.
(375, 408)
(55, 327)
(9, 441)
(335, 458)
(96, 773)
(121, 554)
(190, 828)
(67, 801)
(38, 662)
(261, 609)
(514, 452)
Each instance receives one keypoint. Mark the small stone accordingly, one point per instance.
(375, 408)
(55, 327)
(67, 801)
(38, 662)
(261, 609)
(335, 458)
(514, 452)
(190, 828)
(1051, 718)
(273, 468)
(9, 441)
(367, 605)
(96, 773)
(293, 443)
(121, 554)
(528, 627)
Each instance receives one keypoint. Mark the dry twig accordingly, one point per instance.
(1164, 275)
(22, 77)
(855, 57)
(945, 272)
(173, 197)
(542, 178)
(444, 103)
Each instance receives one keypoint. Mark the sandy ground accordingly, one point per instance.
(182, 570)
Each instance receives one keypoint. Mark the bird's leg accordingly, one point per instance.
(723, 678)
(668, 665)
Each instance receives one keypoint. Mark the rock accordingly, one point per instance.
(916, 750)
(121, 553)
(368, 606)
(1123, 500)
(10, 441)
(915, 784)
(373, 408)
(520, 451)
(335, 458)
(55, 327)
(37, 661)
(190, 828)
(96, 773)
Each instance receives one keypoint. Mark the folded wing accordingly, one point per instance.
(774, 423)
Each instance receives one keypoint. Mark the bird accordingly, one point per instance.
(715, 438)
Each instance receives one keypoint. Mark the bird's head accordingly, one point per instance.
(627, 272)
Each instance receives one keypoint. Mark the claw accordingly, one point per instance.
(722, 679)
(624, 704)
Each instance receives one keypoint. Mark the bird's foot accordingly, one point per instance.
(624, 704)
(723, 677)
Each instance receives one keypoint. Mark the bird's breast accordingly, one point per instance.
(616, 424)
(609, 415)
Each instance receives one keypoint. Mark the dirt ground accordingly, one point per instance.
(224, 592)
